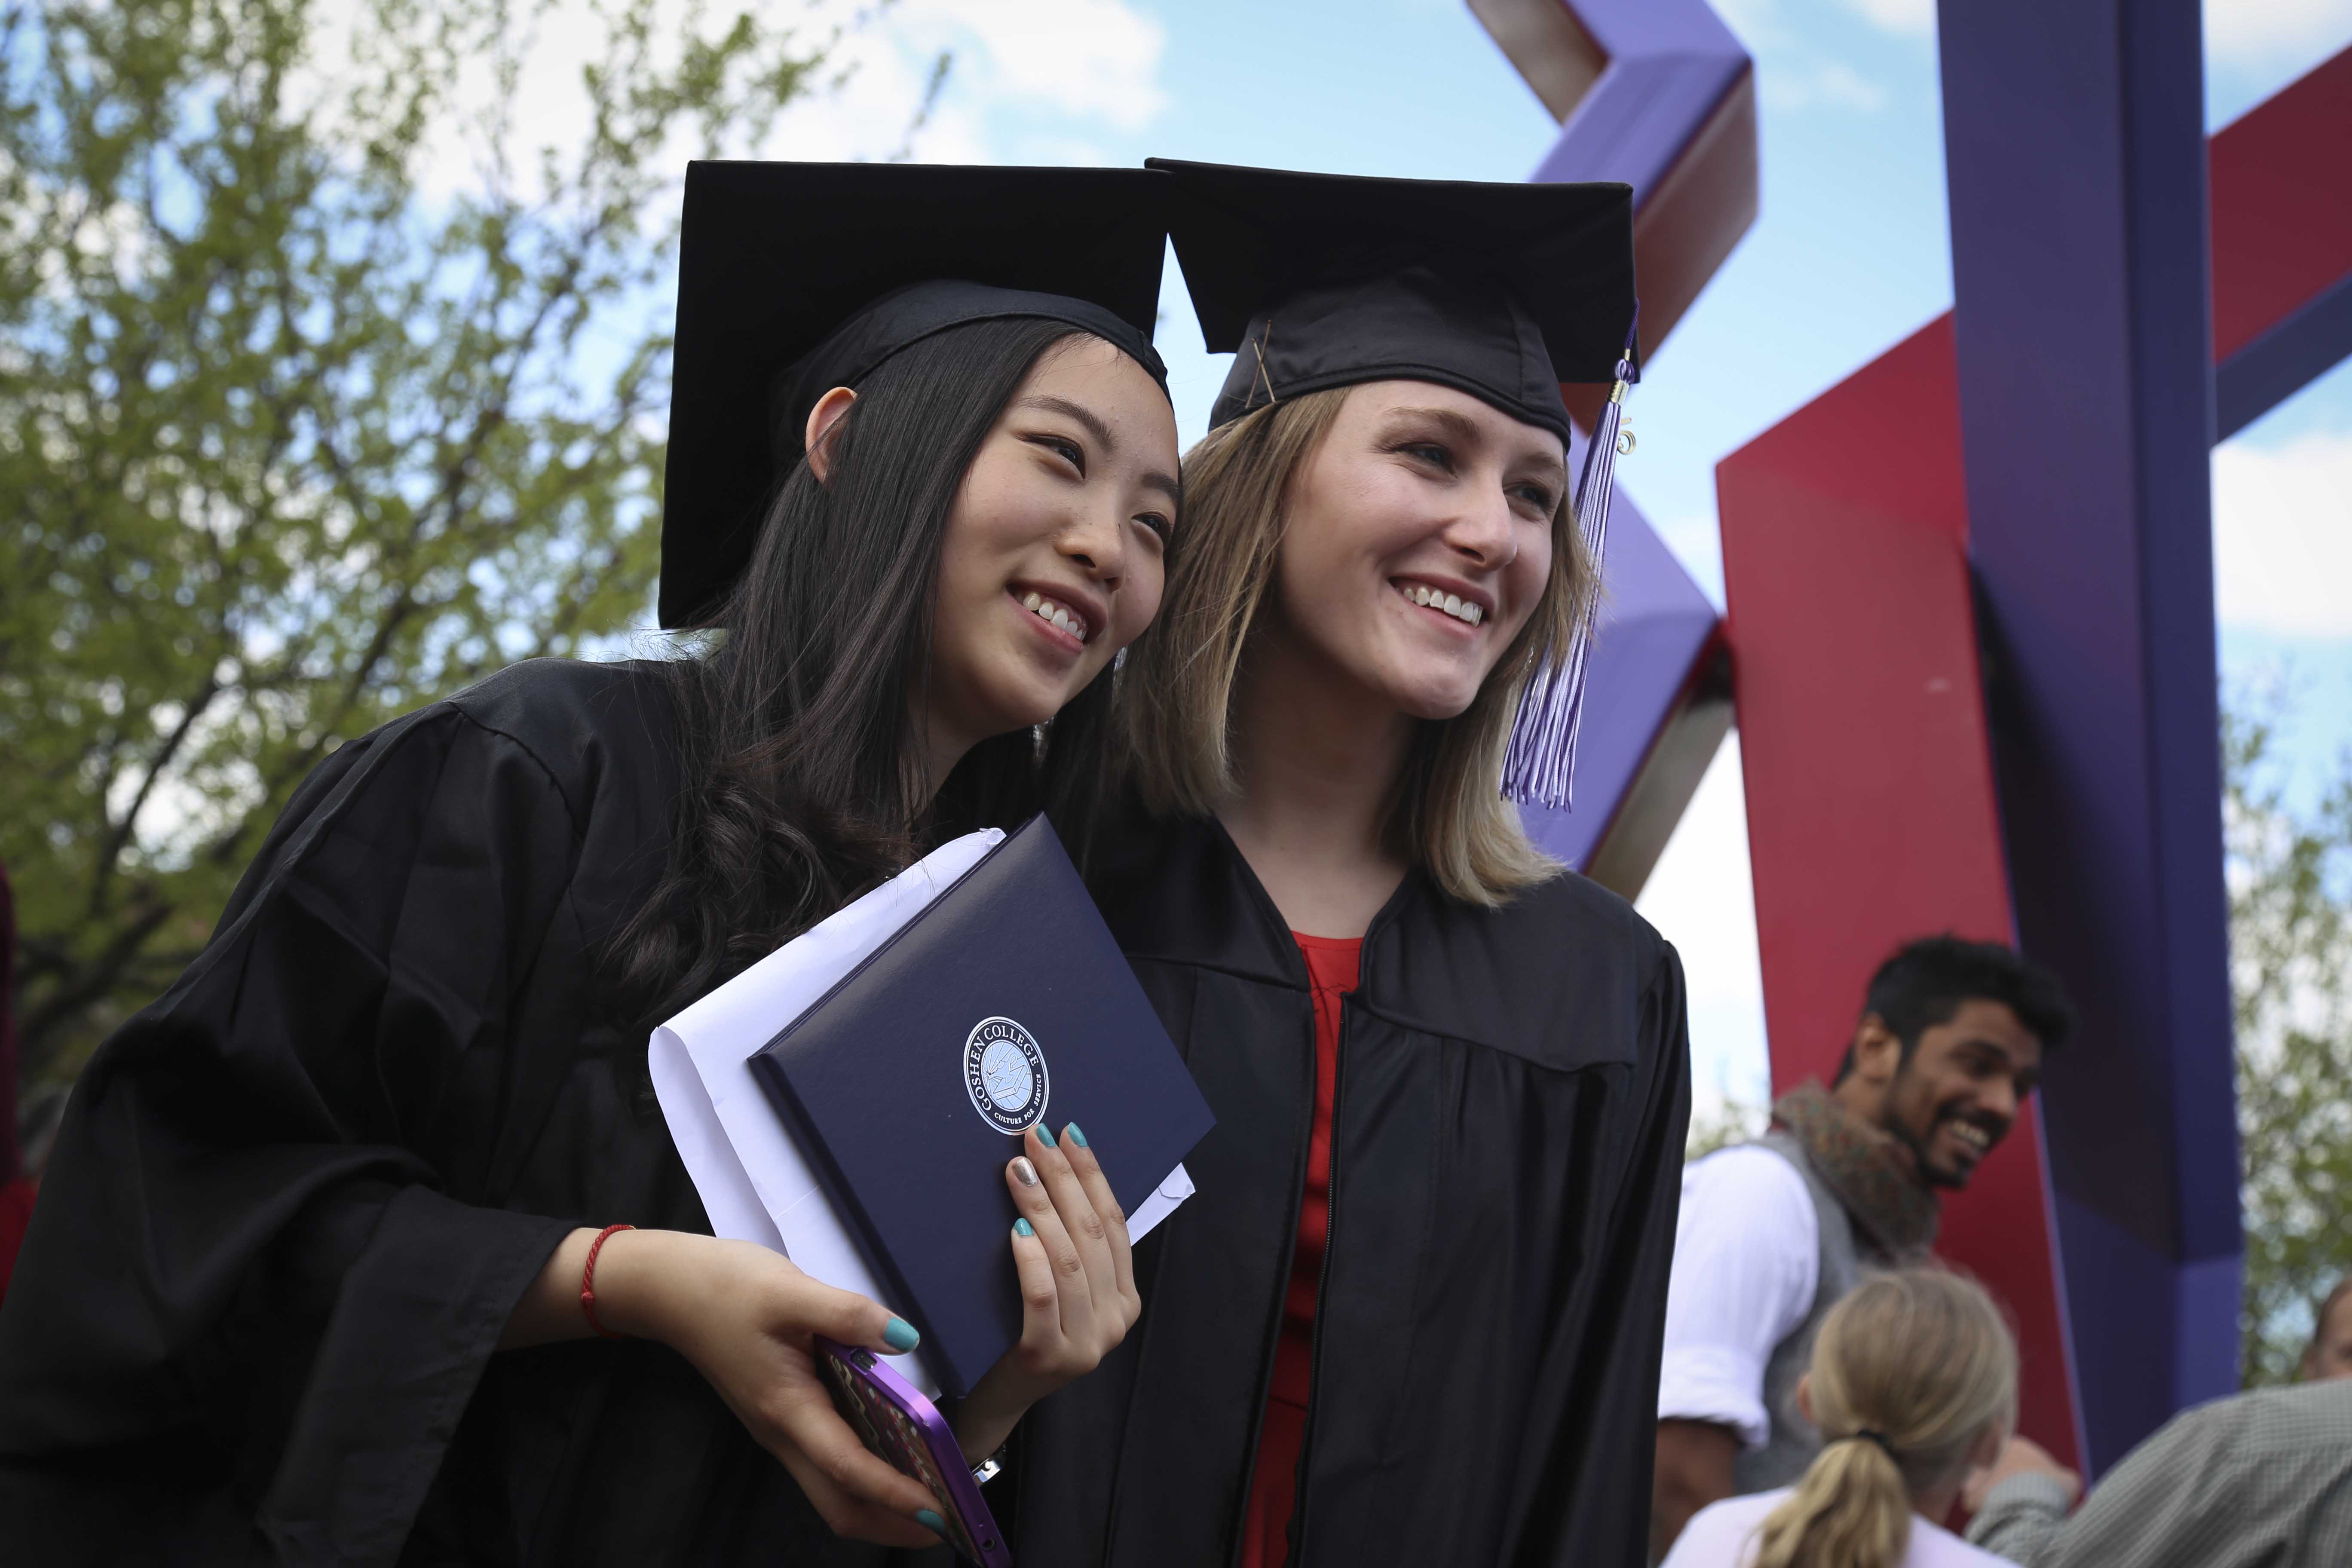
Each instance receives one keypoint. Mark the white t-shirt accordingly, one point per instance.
(1723, 1535)
(1746, 1258)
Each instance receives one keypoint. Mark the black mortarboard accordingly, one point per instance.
(1499, 290)
(794, 278)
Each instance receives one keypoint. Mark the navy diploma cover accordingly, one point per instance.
(1004, 1003)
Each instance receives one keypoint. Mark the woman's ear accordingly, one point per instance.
(823, 420)
(1805, 1396)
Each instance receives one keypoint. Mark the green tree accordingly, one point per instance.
(1721, 1121)
(299, 429)
(2290, 878)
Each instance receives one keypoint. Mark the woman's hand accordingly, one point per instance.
(743, 1316)
(1077, 1284)
(2019, 1457)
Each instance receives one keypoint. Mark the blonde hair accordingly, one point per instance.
(1909, 1372)
(1177, 690)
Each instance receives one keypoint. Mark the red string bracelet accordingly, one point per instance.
(588, 1281)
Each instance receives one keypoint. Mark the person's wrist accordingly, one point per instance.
(980, 1429)
(1015, 1392)
(638, 1273)
(987, 1415)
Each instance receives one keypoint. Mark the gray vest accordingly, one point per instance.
(1794, 1442)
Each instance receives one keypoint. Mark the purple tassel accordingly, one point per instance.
(1540, 766)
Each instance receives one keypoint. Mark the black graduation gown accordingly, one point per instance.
(1506, 1150)
(295, 1200)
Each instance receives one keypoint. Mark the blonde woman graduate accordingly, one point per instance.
(1414, 1313)
(316, 1274)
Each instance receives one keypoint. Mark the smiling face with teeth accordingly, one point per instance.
(1418, 542)
(1053, 555)
(1954, 1093)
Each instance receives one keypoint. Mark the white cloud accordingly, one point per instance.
(1770, 22)
(887, 66)
(2238, 33)
(2252, 33)
(1792, 70)
(1032, 81)
(1909, 18)
(1701, 898)
(534, 92)
(1827, 84)
(1087, 59)
(2282, 535)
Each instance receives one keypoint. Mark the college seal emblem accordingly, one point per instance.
(1004, 1073)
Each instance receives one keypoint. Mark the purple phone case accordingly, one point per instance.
(909, 1433)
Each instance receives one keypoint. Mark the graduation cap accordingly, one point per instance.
(794, 278)
(1502, 291)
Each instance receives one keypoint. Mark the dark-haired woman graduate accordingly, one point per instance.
(306, 1282)
(1413, 1314)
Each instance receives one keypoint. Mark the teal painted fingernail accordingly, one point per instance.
(901, 1335)
(1074, 1135)
(1023, 1227)
(1044, 1135)
(930, 1521)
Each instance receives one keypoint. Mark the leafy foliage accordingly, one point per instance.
(1721, 1122)
(299, 429)
(2291, 957)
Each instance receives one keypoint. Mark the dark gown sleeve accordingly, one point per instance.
(1592, 1494)
(250, 1310)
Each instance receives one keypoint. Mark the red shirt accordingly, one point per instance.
(1331, 968)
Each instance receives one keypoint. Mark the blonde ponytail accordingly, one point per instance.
(1908, 1372)
(1851, 1509)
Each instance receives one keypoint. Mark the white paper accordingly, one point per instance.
(754, 1184)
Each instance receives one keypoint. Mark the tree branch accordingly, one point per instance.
(111, 852)
(47, 1018)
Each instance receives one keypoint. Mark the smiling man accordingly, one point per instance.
(1772, 1233)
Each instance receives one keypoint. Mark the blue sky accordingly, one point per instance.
(1848, 255)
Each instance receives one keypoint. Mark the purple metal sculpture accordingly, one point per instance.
(2089, 373)
(2075, 145)
(1659, 94)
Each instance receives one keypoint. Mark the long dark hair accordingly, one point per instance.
(801, 786)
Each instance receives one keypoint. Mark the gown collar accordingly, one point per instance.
(1509, 978)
